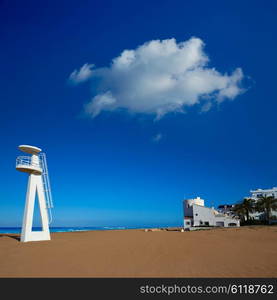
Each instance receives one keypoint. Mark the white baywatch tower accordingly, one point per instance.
(39, 183)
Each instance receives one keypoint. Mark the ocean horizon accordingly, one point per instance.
(77, 228)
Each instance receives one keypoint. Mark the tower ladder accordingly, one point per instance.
(46, 185)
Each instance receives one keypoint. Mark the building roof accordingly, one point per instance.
(264, 190)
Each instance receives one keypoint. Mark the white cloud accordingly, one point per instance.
(159, 77)
(157, 138)
(99, 103)
(82, 75)
(206, 107)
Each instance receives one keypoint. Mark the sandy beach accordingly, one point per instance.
(230, 252)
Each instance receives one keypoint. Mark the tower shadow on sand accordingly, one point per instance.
(15, 237)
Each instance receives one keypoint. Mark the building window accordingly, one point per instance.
(196, 214)
(201, 223)
(187, 223)
(207, 223)
(232, 224)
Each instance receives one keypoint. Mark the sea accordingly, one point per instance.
(72, 229)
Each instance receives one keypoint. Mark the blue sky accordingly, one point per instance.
(124, 167)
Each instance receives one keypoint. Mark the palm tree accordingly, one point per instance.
(244, 208)
(239, 211)
(266, 204)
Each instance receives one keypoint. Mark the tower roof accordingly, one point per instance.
(29, 149)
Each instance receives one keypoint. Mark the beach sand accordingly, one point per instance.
(224, 252)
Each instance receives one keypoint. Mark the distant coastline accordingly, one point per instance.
(78, 228)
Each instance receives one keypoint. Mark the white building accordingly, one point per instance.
(197, 215)
(226, 209)
(256, 194)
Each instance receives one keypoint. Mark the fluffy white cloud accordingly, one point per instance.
(82, 75)
(159, 77)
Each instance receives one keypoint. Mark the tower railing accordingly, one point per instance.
(26, 161)
(46, 185)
